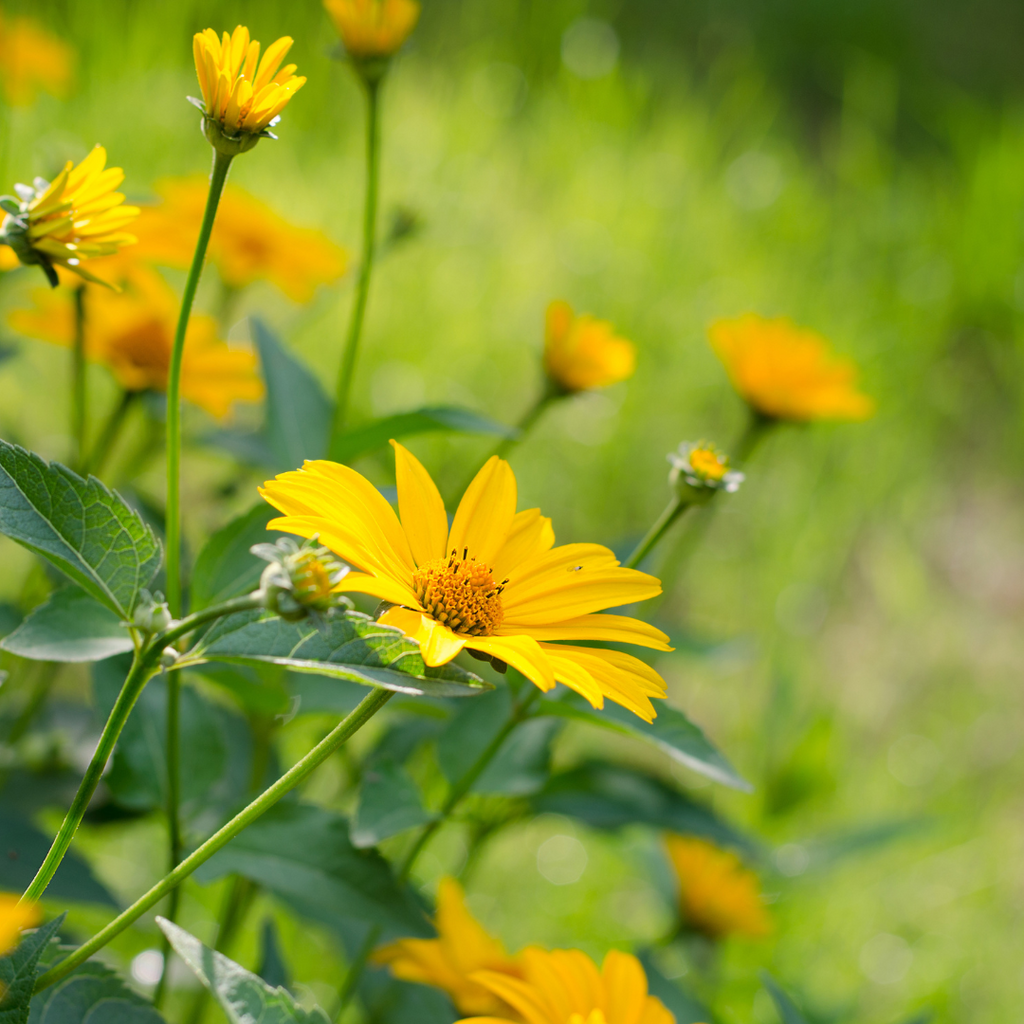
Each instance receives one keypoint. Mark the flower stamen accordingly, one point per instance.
(460, 593)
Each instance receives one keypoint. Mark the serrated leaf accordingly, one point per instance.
(298, 412)
(453, 419)
(787, 1009)
(349, 646)
(19, 970)
(680, 738)
(69, 626)
(23, 848)
(303, 854)
(226, 567)
(685, 1008)
(611, 796)
(244, 997)
(93, 994)
(81, 527)
(389, 803)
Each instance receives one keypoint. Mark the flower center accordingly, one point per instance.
(461, 593)
(707, 463)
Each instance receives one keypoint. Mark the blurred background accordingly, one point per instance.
(848, 630)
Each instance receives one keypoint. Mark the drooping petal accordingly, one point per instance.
(420, 506)
(438, 644)
(614, 628)
(484, 516)
(523, 653)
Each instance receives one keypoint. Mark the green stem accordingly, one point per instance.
(219, 175)
(519, 713)
(351, 724)
(109, 434)
(756, 430)
(358, 315)
(78, 381)
(673, 510)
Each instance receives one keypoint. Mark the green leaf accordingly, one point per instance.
(244, 997)
(23, 848)
(273, 969)
(389, 803)
(19, 970)
(303, 854)
(226, 567)
(10, 618)
(672, 730)
(93, 994)
(69, 626)
(349, 646)
(298, 412)
(787, 1009)
(366, 439)
(685, 1008)
(611, 796)
(84, 529)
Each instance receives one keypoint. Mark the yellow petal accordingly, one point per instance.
(484, 516)
(530, 536)
(523, 653)
(613, 628)
(438, 644)
(420, 506)
(272, 57)
(626, 986)
(376, 586)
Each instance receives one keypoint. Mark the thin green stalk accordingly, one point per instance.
(358, 315)
(673, 510)
(218, 177)
(458, 791)
(78, 381)
(351, 724)
(109, 434)
(756, 430)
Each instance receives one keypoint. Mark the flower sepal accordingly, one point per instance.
(699, 471)
(229, 145)
(299, 581)
(152, 614)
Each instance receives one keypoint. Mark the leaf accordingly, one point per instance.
(523, 762)
(69, 626)
(298, 412)
(611, 796)
(273, 969)
(303, 854)
(389, 803)
(787, 1009)
(390, 1001)
(454, 419)
(19, 970)
(685, 1008)
(244, 997)
(349, 646)
(672, 730)
(92, 994)
(23, 848)
(226, 567)
(10, 618)
(825, 851)
(84, 529)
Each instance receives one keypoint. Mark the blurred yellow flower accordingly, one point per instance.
(242, 95)
(787, 372)
(14, 918)
(32, 59)
(462, 946)
(718, 896)
(581, 352)
(132, 333)
(373, 28)
(8, 259)
(566, 987)
(699, 469)
(75, 218)
(493, 583)
(250, 242)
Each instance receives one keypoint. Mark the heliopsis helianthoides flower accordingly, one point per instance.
(250, 242)
(14, 918)
(243, 96)
(32, 60)
(373, 29)
(461, 948)
(699, 470)
(76, 217)
(786, 372)
(132, 333)
(494, 583)
(581, 352)
(566, 987)
(718, 896)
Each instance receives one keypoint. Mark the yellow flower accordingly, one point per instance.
(14, 917)
(77, 217)
(133, 332)
(373, 28)
(566, 987)
(250, 242)
(717, 894)
(461, 948)
(787, 372)
(699, 469)
(242, 95)
(493, 583)
(8, 259)
(581, 352)
(32, 59)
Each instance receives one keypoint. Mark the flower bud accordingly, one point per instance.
(299, 579)
(152, 615)
(699, 471)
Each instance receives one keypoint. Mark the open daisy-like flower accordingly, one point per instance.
(700, 469)
(565, 986)
(76, 217)
(373, 29)
(582, 352)
(243, 96)
(492, 584)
